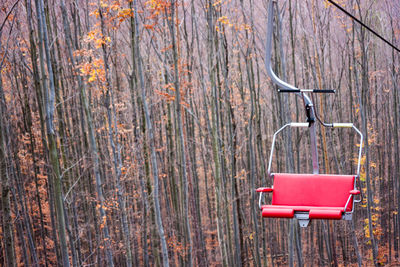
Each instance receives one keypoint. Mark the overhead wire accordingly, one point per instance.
(363, 24)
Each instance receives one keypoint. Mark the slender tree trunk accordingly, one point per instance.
(181, 140)
(115, 146)
(51, 135)
(285, 118)
(7, 224)
(150, 133)
(363, 102)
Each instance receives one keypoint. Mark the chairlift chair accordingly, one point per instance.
(307, 196)
(311, 196)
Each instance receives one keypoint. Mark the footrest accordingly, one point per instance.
(335, 214)
(278, 213)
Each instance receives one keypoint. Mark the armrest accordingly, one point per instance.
(264, 189)
(355, 192)
(352, 193)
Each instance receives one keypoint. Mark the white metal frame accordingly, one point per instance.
(303, 216)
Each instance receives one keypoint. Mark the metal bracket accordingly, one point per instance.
(303, 218)
(347, 216)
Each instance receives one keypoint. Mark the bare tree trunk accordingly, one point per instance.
(150, 133)
(215, 134)
(51, 135)
(39, 87)
(115, 146)
(194, 186)
(7, 224)
(285, 118)
(181, 140)
(363, 102)
(396, 122)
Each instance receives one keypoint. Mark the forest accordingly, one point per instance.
(136, 132)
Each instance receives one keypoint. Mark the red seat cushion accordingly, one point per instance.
(312, 190)
(278, 212)
(325, 213)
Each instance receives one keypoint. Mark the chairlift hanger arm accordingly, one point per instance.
(286, 87)
(268, 54)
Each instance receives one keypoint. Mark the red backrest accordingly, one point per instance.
(321, 190)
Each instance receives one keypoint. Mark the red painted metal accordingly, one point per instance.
(264, 189)
(355, 192)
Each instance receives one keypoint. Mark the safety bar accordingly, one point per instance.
(305, 124)
(329, 91)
